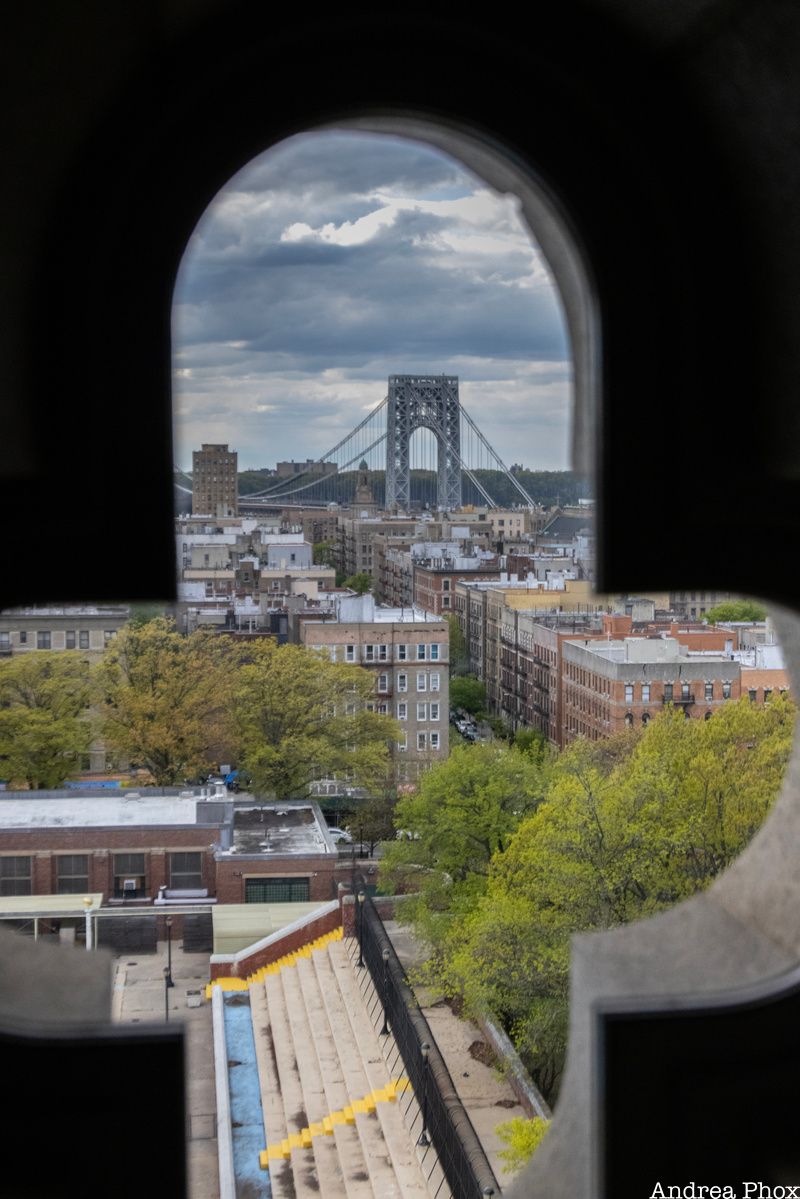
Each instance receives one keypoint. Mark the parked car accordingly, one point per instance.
(341, 834)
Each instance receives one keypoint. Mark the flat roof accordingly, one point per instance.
(279, 829)
(102, 811)
(27, 906)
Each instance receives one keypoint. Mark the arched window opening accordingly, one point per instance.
(296, 308)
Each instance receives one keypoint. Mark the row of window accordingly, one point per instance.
(425, 681)
(422, 711)
(423, 740)
(669, 692)
(403, 653)
(74, 638)
(72, 873)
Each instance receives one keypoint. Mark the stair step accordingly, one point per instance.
(275, 1129)
(329, 1168)
(303, 1163)
(359, 1049)
(359, 1178)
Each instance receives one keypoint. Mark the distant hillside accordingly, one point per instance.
(547, 487)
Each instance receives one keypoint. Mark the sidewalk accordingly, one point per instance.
(138, 997)
(488, 1099)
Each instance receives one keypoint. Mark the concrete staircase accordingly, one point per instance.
(332, 1111)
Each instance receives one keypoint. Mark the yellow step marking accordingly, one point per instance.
(289, 959)
(280, 1150)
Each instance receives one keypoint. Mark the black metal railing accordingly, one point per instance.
(444, 1120)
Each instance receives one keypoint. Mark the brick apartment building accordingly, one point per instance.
(610, 684)
(532, 665)
(407, 652)
(215, 481)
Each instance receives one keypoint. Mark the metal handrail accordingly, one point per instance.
(461, 1155)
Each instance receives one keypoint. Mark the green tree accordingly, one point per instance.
(44, 717)
(324, 553)
(464, 811)
(736, 610)
(629, 826)
(373, 818)
(144, 612)
(361, 583)
(532, 742)
(165, 698)
(300, 717)
(468, 693)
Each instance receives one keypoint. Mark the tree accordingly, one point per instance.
(165, 698)
(361, 583)
(736, 610)
(532, 742)
(324, 553)
(44, 710)
(628, 827)
(468, 693)
(463, 812)
(373, 818)
(300, 717)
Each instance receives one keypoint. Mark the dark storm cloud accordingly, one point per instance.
(341, 258)
(332, 165)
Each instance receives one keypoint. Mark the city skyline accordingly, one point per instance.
(338, 258)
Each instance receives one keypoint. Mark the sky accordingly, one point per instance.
(338, 258)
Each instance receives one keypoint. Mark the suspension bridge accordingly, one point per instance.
(418, 448)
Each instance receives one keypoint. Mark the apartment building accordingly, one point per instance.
(356, 550)
(407, 652)
(611, 684)
(215, 481)
(82, 627)
(479, 608)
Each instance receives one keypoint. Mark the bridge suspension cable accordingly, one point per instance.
(497, 458)
(326, 457)
(314, 482)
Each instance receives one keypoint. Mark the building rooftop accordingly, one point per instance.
(276, 829)
(128, 810)
(121, 610)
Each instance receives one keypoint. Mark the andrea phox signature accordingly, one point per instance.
(744, 1190)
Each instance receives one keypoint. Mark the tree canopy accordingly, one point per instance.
(463, 812)
(299, 717)
(44, 717)
(736, 610)
(469, 693)
(628, 827)
(165, 698)
(361, 583)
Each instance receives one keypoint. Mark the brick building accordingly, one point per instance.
(138, 849)
(407, 651)
(609, 684)
(215, 481)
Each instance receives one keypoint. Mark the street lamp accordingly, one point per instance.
(166, 993)
(424, 1139)
(360, 929)
(385, 956)
(170, 983)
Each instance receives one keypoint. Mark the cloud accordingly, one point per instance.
(337, 259)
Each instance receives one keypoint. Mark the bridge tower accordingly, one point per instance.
(423, 402)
